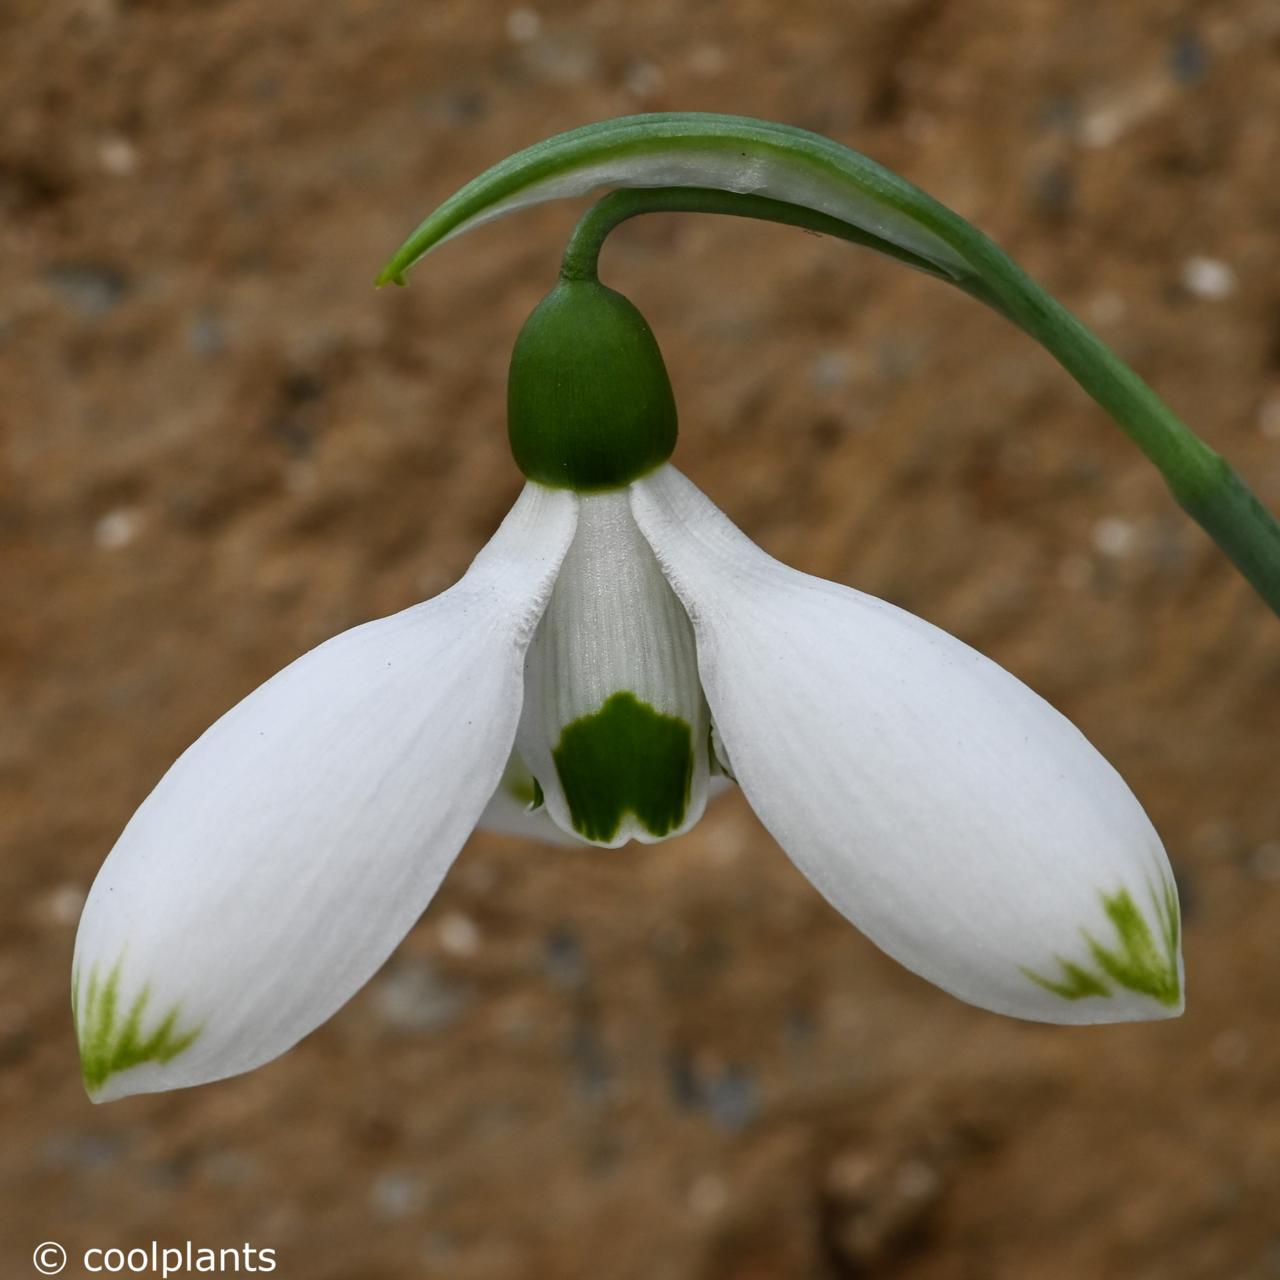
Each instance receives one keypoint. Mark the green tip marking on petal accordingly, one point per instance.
(112, 1040)
(1075, 984)
(1140, 963)
(625, 758)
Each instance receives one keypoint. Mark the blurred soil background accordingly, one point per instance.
(221, 445)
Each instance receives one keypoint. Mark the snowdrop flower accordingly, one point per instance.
(617, 650)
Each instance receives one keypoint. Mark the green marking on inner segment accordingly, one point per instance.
(1140, 963)
(625, 758)
(526, 791)
(110, 1041)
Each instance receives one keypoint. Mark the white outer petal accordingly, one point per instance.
(948, 811)
(286, 853)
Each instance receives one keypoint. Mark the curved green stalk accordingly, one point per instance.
(755, 168)
(582, 253)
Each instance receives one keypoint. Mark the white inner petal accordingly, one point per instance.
(613, 627)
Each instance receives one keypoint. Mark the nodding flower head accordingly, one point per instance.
(615, 654)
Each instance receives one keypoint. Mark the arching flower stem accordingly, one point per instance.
(582, 253)
(695, 162)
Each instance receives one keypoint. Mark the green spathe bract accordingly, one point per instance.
(706, 150)
(111, 1040)
(625, 758)
(1141, 962)
(589, 403)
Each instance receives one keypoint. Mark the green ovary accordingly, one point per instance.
(112, 1040)
(1145, 961)
(625, 758)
